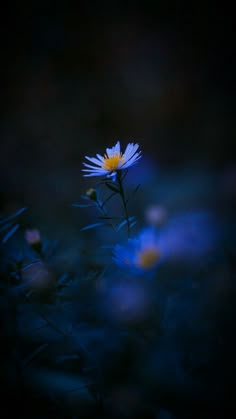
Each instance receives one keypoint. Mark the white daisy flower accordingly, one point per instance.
(113, 160)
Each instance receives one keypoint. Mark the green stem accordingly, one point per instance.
(122, 194)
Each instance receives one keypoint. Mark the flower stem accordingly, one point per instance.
(122, 194)
(102, 209)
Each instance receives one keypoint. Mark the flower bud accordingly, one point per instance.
(92, 194)
(33, 237)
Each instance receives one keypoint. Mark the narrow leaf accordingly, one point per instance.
(112, 187)
(63, 278)
(10, 233)
(35, 353)
(133, 193)
(4, 220)
(85, 197)
(90, 226)
(108, 199)
(82, 205)
(106, 217)
(5, 227)
(122, 224)
(133, 224)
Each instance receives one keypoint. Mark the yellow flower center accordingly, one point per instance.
(112, 163)
(147, 259)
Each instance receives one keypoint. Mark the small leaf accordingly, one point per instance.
(10, 233)
(5, 227)
(29, 358)
(106, 217)
(133, 193)
(112, 187)
(4, 220)
(82, 205)
(31, 264)
(85, 197)
(90, 226)
(133, 224)
(122, 224)
(63, 278)
(108, 199)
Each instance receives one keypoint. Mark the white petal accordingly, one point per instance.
(130, 151)
(95, 170)
(134, 148)
(132, 161)
(126, 153)
(94, 174)
(93, 160)
(121, 164)
(109, 152)
(129, 147)
(92, 167)
(135, 156)
(117, 147)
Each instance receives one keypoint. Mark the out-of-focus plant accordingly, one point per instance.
(9, 226)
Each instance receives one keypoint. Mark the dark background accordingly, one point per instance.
(77, 77)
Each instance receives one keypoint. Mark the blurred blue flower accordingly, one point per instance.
(189, 236)
(112, 161)
(140, 254)
(186, 237)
